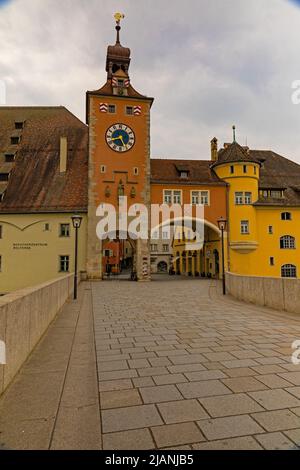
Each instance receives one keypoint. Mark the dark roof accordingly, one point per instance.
(35, 183)
(107, 90)
(234, 153)
(278, 172)
(168, 171)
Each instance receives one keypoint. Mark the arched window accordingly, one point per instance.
(287, 242)
(288, 270)
(286, 216)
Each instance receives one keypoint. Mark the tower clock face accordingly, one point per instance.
(120, 138)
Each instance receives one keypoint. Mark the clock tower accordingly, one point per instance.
(119, 154)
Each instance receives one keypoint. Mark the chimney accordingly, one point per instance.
(214, 149)
(63, 154)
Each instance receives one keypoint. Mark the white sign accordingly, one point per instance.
(2, 353)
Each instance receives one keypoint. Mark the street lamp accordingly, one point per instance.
(76, 221)
(222, 226)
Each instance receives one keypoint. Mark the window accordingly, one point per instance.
(153, 247)
(19, 125)
(4, 176)
(129, 110)
(1, 231)
(106, 253)
(245, 168)
(136, 171)
(168, 197)
(47, 227)
(276, 194)
(64, 230)
(0, 264)
(270, 229)
(272, 263)
(231, 169)
(177, 197)
(112, 109)
(239, 198)
(248, 198)
(183, 174)
(287, 242)
(244, 227)
(103, 169)
(14, 140)
(286, 216)
(120, 82)
(254, 168)
(172, 196)
(165, 235)
(9, 158)
(200, 197)
(64, 263)
(288, 270)
(165, 248)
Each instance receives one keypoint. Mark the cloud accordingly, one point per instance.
(208, 63)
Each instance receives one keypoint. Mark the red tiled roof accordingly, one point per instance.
(168, 171)
(36, 184)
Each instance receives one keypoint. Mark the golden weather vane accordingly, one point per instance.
(119, 17)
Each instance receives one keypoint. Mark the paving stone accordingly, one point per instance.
(292, 377)
(112, 365)
(248, 354)
(176, 434)
(120, 398)
(280, 420)
(296, 411)
(295, 391)
(160, 361)
(240, 372)
(275, 399)
(205, 375)
(222, 428)
(182, 411)
(169, 379)
(118, 374)
(219, 356)
(270, 360)
(122, 384)
(135, 417)
(143, 382)
(294, 435)
(188, 359)
(236, 443)
(151, 371)
(128, 440)
(138, 363)
(238, 363)
(275, 441)
(185, 368)
(268, 369)
(272, 381)
(243, 384)
(203, 389)
(229, 405)
(160, 393)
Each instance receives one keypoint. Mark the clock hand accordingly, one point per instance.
(121, 139)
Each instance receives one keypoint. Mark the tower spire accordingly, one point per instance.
(234, 135)
(118, 18)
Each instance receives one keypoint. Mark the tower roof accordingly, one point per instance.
(234, 153)
(118, 57)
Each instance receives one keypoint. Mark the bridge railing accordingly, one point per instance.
(25, 315)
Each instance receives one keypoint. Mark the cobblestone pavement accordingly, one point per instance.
(166, 365)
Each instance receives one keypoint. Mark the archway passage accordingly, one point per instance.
(119, 259)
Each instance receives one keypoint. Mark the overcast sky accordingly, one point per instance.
(208, 64)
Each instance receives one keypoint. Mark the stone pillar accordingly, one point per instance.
(143, 268)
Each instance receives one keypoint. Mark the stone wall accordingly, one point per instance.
(277, 293)
(24, 317)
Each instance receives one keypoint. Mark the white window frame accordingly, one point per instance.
(112, 112)
(239, 198)
(154, 248)
(66, 224)
(290, 270)
(172, 194)
(199, 197)
(245, 224)
(248, 198)
(288, 242)
(66, 263)
(284, 214)
(166, 248)
(103, 169)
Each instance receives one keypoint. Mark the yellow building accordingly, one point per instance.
(52, 166)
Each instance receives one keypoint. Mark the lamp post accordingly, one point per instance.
(222, 226)
(76, 221)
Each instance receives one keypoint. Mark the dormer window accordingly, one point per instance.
(9, 158)
(120, 82)
(19, 125)
(184, 174)
(15, 140)
(4, 176)
(276, 194)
